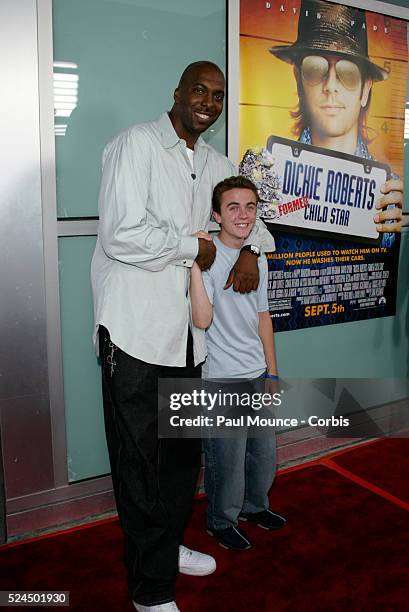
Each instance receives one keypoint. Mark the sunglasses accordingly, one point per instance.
(315, 70)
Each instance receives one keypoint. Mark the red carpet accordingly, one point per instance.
(384, 463)
(344, 548)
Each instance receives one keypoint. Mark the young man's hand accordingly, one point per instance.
(392, 194)
(244, 275)
(207, 251)
(202, 234)
(271, 386)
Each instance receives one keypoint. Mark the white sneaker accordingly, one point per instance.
(166, 607)
(194, 563)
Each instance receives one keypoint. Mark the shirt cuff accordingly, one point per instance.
(189, 248)
(265, 245)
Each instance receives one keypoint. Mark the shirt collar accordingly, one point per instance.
(169, 136)
(361, 148)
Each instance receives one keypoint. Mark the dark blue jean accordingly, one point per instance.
(154, 480)
(239, 470)
(239, 473)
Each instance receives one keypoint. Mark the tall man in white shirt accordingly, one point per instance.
(154, 204)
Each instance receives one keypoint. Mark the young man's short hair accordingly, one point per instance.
(233, 182)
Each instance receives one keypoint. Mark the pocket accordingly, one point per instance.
(110, 360)
(107, 352)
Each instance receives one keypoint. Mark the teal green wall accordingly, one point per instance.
(87, 453)
(404, 3)
(129, 59)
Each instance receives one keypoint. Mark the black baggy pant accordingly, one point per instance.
(154, 479)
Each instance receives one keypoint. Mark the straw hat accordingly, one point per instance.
(327, 28)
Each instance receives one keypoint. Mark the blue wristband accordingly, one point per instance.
(272, 376)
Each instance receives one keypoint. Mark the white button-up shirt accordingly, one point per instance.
(149, 207)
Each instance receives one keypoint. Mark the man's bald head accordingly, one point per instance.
(191, 71)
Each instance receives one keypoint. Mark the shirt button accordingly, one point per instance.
(184, 262)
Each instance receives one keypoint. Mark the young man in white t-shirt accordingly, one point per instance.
(240, 345)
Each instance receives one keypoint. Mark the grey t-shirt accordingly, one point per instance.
(234, 346)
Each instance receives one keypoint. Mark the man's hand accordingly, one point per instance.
(207, 250)
(244, 275)
(393, 194)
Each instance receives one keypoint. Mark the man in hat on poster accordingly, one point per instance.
(334, 81)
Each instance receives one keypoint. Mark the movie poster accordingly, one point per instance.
(321, 131)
